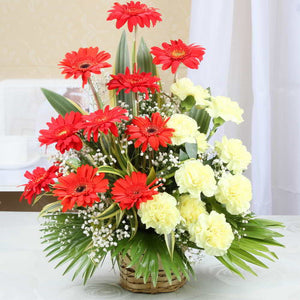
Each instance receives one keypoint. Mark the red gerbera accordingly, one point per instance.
(39, 180)
(153, 132)
(62, 131)
(172, 55)
(133, 190)
(103, 120)
(135, 82)
(84, 62)
(134, 13)
(80, 188)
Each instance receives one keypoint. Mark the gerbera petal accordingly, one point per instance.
(83, 63)
(80, 188)
(132, 190)
(149, 132)
(134, 82)
(134, 13)
(171, 55)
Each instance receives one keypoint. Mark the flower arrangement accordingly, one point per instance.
(138, 179)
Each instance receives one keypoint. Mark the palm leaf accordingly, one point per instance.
(61, 104)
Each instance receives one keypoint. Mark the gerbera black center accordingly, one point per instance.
(151, 130)
(80, 188)
(84, 66)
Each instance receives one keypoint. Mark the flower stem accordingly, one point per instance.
(97, 98)
(137, 103)
(212, 132)
(134, 53)
(175, 76)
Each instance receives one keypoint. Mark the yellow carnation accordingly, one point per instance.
(185, 129)
(193, 177)
(182, 88)
(226, 109)
(212, 233)
(201, 142)
(200, 94)
(160, 213)
(191, 208)
(234, 154)
(185, 87)
(235, 192)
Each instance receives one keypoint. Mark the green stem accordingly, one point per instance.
(102, 144)
(175, 77)
(137, 104)
(97, 98)
(212, 132)
(135, 108)
(134, 53)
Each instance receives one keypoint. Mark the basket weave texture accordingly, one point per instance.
(137, 285)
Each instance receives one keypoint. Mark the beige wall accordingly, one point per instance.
(35, 34)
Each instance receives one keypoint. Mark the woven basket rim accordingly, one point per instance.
(129, 282)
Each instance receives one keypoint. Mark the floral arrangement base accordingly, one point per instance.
(139, 181)
(136, 285)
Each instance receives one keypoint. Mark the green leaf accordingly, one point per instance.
(74, 163)
(134, 223)
(241, 264)
(248, 257)
(51, 207)
(119, 217)
(111, 170)
(147, 251)
(202, 118)
(227, 263)
(61, 104)
(218, 121)
(261, 232)
(188, 103)
(153, 267)
(191, 149)
(267, 223)
(247, 242)
(111, 211)
(269, 242)
(123, 61)
(170, 243)
(37, 198)
(144, 59)
(182, 155)
(151, 176)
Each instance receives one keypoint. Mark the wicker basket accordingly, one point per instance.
(137, 285)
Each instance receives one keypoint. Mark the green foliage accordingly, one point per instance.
(111, 170)
(110, 212)
(151, 176)
(123, 61)
(252, 244)
(148, 253)
(202, 118)
(50, 208)
(144, 59)
(72, 247)
(170, 243)
(188, 103)
(61, 104)
(191, 150)
(182, 155)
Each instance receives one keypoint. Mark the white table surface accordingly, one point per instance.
(26, 274)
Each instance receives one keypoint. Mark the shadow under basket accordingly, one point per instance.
(137, 285)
